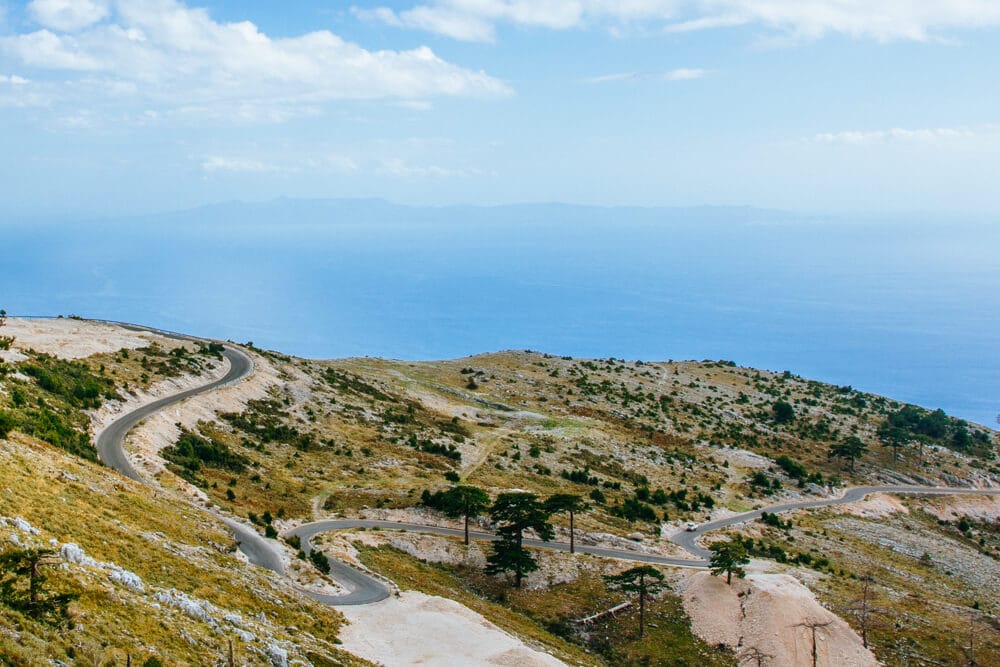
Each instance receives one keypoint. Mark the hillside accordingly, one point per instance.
(154, 579)
(650, 445)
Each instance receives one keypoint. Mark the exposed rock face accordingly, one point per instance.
(277, 656)
(772, 613)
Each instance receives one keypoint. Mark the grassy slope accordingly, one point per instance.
(379, 432)
(166, 543)
(531, 417)
(926, 577)
(68, 496)
(344, 435)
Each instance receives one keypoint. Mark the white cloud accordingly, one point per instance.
(896, 134)
(683, 74)
(302, 161)
(68, 15)
(707, 23)
(217, 163)
(168, 55)
(400, 168)
(415, 105)
(19, 92)
(333, 162)
(476, 20)
(80, 120)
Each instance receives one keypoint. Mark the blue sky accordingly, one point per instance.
(844, 106)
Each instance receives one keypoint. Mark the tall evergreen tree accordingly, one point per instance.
(515, 513)
(728, 558)
(851, 448)
(567, 502)
(23, 582)
(644, 580)
(893, 436)
(464, 501)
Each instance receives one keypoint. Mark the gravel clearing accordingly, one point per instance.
(418, 629)
(766, 611)
(76, 339)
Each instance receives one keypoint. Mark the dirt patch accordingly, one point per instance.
(419, 629)
(981, 508)
(740, 458)
(767, 612)
(877, 506)
(77, 339)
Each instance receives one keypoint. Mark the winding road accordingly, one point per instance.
(688, 539)
(109, 441)
(364, 588)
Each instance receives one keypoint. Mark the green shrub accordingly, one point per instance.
(6, 424)
(56, 430)
(321, 562)
(634, 510)
(783, 412)
(191, 452)
(70, 380)
(792, 468)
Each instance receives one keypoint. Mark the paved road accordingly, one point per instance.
(307, 531)
(111, 450)
(363, 588)
(688, 539)
(109, 441)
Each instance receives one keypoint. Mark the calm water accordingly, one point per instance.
(904, 309)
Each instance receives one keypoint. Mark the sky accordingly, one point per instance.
(118, 107)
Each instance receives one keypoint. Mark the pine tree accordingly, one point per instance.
(850, 448)
(644, 580)
(515, 513)
(23, 583)
(567, 502)
(464, 501)
(728, 558)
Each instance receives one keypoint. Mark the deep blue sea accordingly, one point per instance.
(903, 308)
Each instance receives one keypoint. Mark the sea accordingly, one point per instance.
(904, 307)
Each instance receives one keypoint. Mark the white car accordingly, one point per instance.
(690, 526)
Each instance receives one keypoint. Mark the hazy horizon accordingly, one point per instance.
(801, 185)
(906, 311)
(132, 106)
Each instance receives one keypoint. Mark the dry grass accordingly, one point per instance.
(166, 543)
(380, 432)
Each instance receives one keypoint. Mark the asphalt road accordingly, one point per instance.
(111, 450)
(307, 531)
(365, 589)
(110, 441)
(688, 539)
